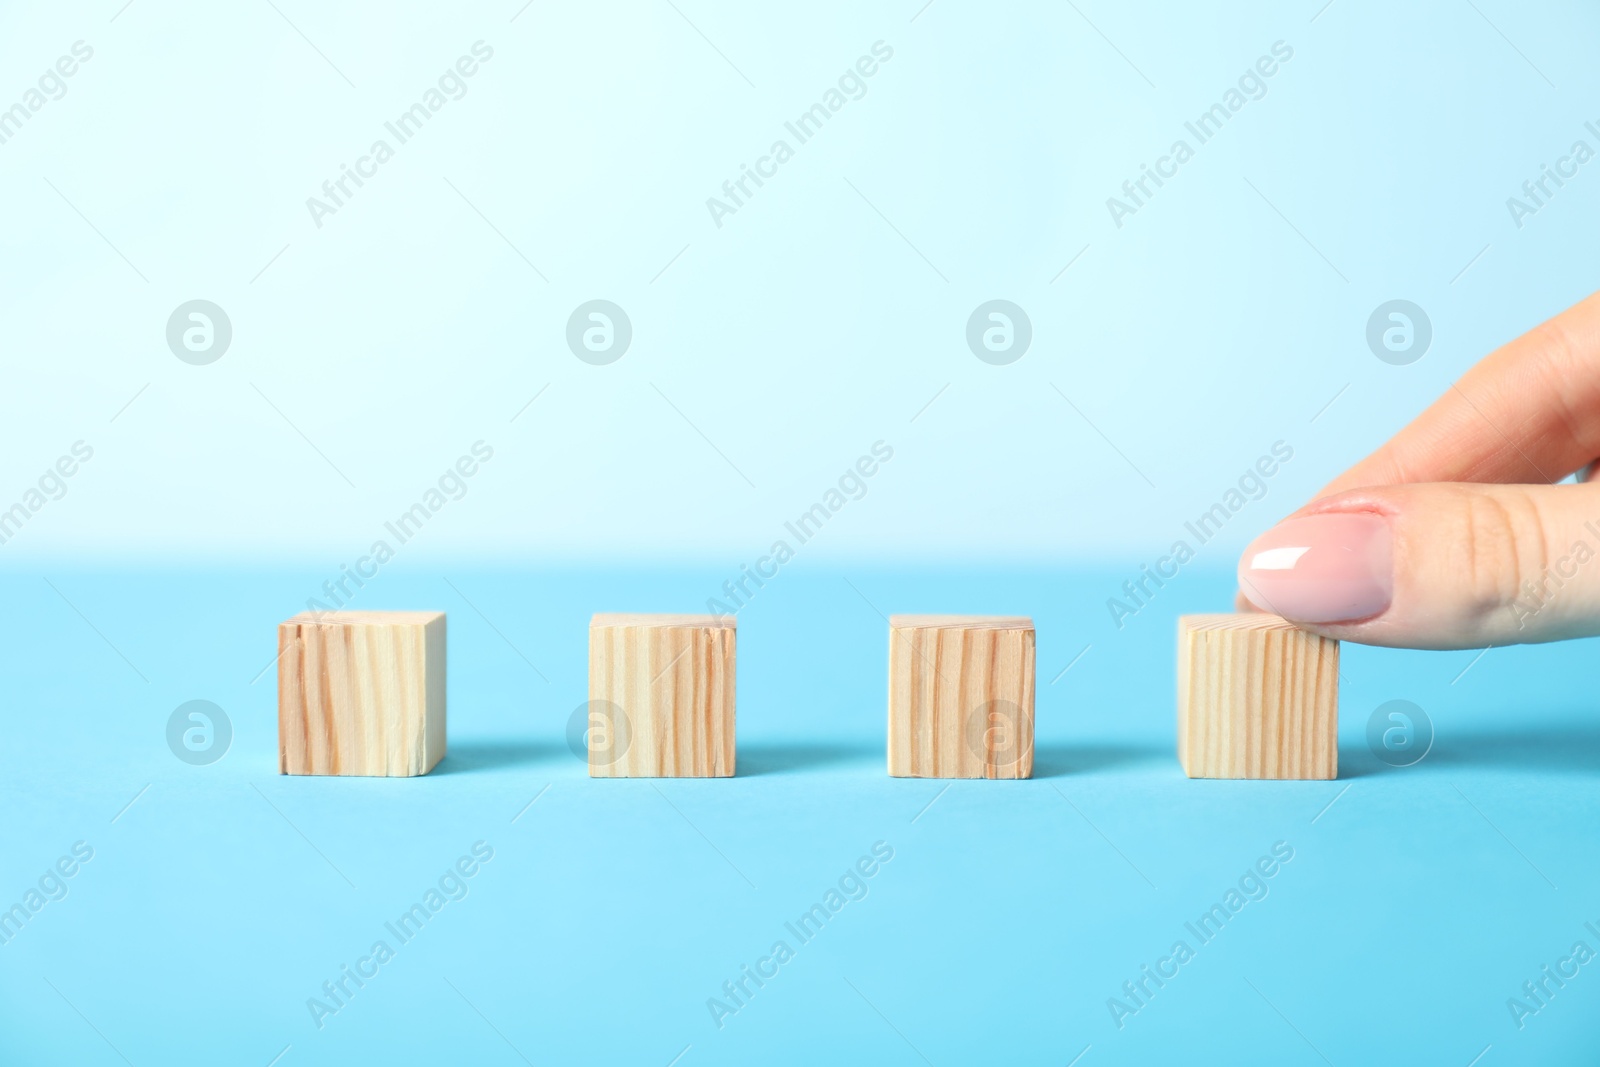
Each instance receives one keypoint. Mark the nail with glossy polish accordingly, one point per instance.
(1321, 568)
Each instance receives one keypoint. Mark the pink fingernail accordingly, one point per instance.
(1321, 568)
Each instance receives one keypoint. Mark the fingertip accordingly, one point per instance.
(1327, 567)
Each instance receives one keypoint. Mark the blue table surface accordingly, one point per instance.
(220, 898)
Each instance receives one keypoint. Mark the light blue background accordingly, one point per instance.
(1413, 908)
(827, 314)
(802, 330)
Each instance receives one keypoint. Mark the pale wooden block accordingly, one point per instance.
(661, 696)
(361, 693)
(960, 696)
(1258, 697)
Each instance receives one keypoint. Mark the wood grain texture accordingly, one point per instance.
(960, 696)
(361, 693)
(661, 691)
(1258, 697)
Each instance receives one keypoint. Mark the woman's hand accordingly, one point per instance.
(1452, 534)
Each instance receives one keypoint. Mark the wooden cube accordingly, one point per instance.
(1258, 697)
(361, 693)
(960, 696)
(661, 696)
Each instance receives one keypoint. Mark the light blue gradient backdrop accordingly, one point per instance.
(802, 330)
(768, 354)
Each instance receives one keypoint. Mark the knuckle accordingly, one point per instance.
(1559, 367)
(1505, 543)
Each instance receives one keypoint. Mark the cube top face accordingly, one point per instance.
(364, 618)
(961, 692)
(361, 693)
(1258, 697)
(713, 622)
(960, 622)
(1247, 621)
(661, 696)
